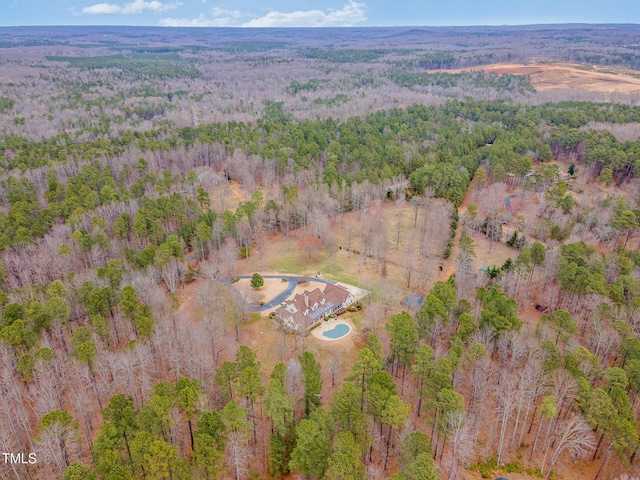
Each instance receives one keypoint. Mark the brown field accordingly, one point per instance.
(566, 76)
(281, 255)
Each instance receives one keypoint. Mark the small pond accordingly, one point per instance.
(338, 331)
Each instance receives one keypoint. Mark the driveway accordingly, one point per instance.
(292, 283)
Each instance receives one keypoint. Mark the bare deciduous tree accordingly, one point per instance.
(573, 435)
(460, 441)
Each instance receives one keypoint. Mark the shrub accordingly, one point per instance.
(257, 281)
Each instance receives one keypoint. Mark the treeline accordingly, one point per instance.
(137, 65)
(491, 81)
(345, 55)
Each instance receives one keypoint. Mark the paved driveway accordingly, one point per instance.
(292, 283)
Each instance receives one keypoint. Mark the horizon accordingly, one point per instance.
(329, 27)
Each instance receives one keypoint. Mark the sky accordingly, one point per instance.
(314, 13)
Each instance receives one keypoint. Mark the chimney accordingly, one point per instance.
(306, 300)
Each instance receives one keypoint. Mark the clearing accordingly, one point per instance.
(568, 76)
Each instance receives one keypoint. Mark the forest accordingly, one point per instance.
(143, 176)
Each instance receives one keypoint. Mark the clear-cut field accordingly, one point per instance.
(566, 76)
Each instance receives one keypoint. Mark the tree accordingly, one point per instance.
(312, 448)
(415, 458)
(367, 364)
(203, 235)
(416, 202)
(448, 403)
(538, 256)
(188, 392)
(466, 326)
(237, 428)
(404, 339)
(499, 312)
(547, 412)
(562, 322)
(78, 471)
(250, 388)
(156, 416)
(345, 462)
(257, 281)
(312, 380)
(279, 455)
(278, 406)
(506, 404)
(606, 176)
(623, 219)
(480, 178)
(460, 440)
(573, 435)
(394, 414)
(345, 410)
(57, 432)
(121, 414)
(226, 377)
(422, 370)
(209, 443)
(118, 473)
(162, 462)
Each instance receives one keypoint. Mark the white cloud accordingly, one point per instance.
(221, 12)
(221, 18)
(201, 21)
(350, 14)
(137, 6)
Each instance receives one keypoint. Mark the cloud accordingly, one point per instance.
(220, 17)
(350, 14)
(137, 6)
(221, 13)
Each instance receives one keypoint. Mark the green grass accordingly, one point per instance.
(289, 265)
(357, 318)
(253, 318)
(294, 264)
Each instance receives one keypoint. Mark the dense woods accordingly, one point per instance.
(128, 349)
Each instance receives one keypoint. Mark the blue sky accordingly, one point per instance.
(299, 13)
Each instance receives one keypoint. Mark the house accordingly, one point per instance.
(308, 309)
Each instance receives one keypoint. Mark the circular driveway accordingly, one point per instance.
(282, 296)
